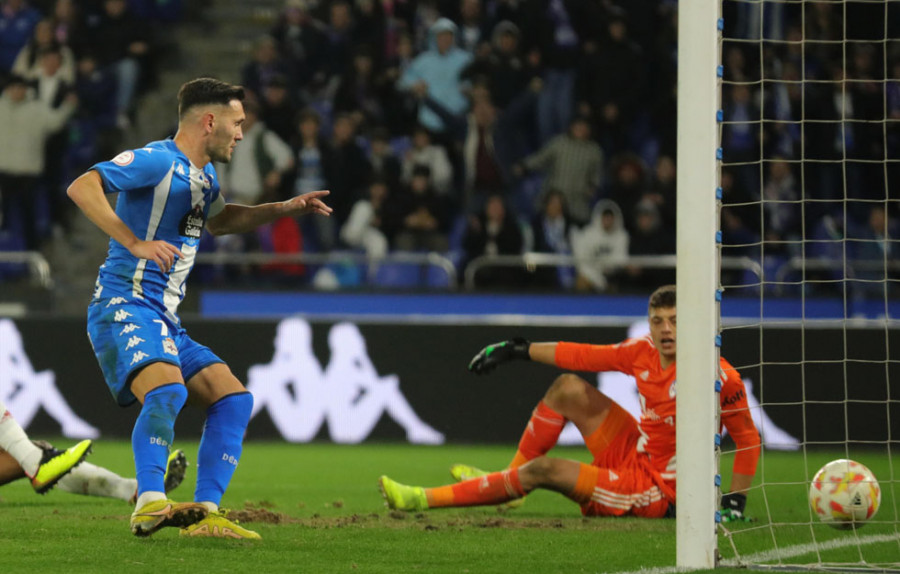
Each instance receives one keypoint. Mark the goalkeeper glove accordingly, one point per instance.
(488, 358)
(733, 504)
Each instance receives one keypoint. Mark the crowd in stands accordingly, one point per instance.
(473, 127)
(70, 73)
(491, 127)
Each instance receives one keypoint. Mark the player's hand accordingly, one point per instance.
(307, 203)
(488, 358)
(733, 504)
(161, 252)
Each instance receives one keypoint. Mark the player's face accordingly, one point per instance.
(662, 330)
(227, 132)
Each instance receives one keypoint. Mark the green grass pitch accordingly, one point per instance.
(325, 514)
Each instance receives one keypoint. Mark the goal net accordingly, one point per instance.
(809, 192)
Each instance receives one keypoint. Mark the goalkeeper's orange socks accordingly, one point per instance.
(493, 488)
(540, 435)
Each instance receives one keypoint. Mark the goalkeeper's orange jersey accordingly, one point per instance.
(639, 358)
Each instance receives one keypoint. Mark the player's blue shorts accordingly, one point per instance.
(128, 335)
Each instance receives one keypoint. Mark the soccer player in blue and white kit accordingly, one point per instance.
(168, 191)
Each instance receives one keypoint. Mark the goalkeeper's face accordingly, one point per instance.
(662, 330)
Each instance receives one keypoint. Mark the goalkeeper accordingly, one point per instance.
(633, 471)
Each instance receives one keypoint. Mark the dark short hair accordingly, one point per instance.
(204, 91)
(308, 115)
(663, 298)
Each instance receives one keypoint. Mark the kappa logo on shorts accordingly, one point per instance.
(129, 328)
(169, 346)
(116, 301)
(133, 342)
(121, 315)
(138, 357)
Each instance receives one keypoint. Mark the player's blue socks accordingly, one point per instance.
(221, 445)
(153, 433)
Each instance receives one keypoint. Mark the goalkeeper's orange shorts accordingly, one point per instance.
(619, 482)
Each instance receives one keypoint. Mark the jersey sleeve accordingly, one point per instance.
(217, 205)
(595, 358)
(134, 169)
(737, 419)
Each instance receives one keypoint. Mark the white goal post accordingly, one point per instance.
(697, 278)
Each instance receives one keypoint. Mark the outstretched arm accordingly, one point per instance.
(515, 349)
(87, 193)
(235, 218)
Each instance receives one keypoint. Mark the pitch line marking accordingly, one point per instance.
(781, 554)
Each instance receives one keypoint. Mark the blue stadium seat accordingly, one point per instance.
(398, 276)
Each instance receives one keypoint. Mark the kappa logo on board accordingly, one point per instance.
(348, 394)
(25, 391)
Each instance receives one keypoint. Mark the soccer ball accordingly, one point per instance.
(844, 494)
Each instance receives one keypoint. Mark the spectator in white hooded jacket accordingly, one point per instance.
(599, 247)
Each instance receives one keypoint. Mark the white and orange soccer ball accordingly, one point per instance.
(844, 494)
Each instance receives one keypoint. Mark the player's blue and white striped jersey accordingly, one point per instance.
(162, 196)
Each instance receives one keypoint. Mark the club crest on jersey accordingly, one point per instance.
(124, 158)
(169, 346)
(192, 223)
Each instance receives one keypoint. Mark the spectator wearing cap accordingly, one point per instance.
(502, 70)
(435, 73)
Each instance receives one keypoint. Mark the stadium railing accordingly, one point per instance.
(38, 267)
(856, 269)
(532, 260)
(371, 267)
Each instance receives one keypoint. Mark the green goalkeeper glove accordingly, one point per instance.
(488, 358)
(733, 504)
